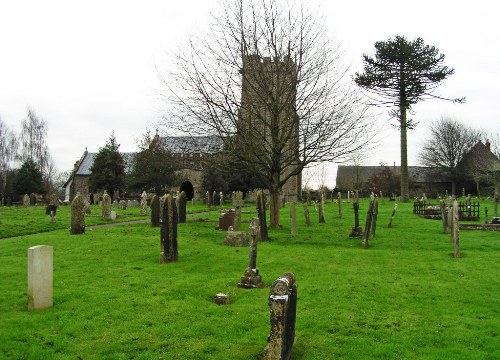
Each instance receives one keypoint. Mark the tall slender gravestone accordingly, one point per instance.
(340, 204)
(282, 310)
(392, 215)
(374, 219)
(293, 218)
(322, 208)
(368, 226)
(40, 277)
(251, 278)
(356, 230)
(155, 211)
(444, 215)
(168, 252)
(261, 211)
(182, 207)
(306, 215)
(106, 205)
(144, 203)
(77, 215)
(454, 230)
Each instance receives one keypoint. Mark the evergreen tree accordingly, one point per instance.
(28, 180)
(108, 169)
(401, 74)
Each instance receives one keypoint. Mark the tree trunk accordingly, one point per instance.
(275, 209)
(453, 187)
(404, 156)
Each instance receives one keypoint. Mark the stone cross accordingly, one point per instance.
(144, 203)
(106, 205)
(282, 310)
(293, 218)
(182, 199)
(155, 211)
(261, 211)
(251, 278)
(168, 234)
(40, 277)
(77, 215)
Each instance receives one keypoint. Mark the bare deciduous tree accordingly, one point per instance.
(450, 141)
(269, 82)
(8, 151)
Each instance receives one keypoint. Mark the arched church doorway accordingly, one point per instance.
(188, 188)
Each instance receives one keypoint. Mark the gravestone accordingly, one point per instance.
(162, 204)
(155, 211)
(106, 205)
(226, 219)
(123, 204)
(444, 216)
(182, 200)
(392, 215)
(77, 215)
(251, 278)
(356, 230)
(261, 211)
(339, 197)
(282, 311)
(368, 225)
(322, 209)
(454, 230)
(306, 215)
(214, 198)
(26, 200)
(53, 199)
(40, 277)
(129, 203)
(32, 199)
(293, 218)
(374, 219)
(235, 238)
(51, 210)
(221, 200)
(168, 234)
(144, 203)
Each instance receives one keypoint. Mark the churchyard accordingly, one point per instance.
(405, 296)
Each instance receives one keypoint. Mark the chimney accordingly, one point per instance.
(487, 145)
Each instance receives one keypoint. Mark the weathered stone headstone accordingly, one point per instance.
(293, 218)
(77, 215)
(32, 199)
(261, 211)
(26, 200)
(322, 209)
(144, 203)
(306, 215)
(155, 211)
(123, 204)
(235, 238)
(282, 311)
(251, 278)
(392, 215)
(168, 252)
(207, 199)
(51, 210)
(162, 204)
(450, 213)
(368, 225)
(106, 205)
(454, 230)
(339, 197)
(356, 230)
(444, 215)
(182, 199)
(40, 277)
(374, 219)
(226, 219)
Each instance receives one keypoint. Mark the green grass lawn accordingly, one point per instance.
(405, 297)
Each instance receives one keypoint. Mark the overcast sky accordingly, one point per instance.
(88, 67)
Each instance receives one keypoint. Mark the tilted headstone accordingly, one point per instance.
(77, 215)
(368, 226)
(282, 311)
(40, 277)
(392, 215)
(251, 278)
(26, 200)
(454, 230)
(306, 215)
(261, 211)
(106, 205)
(168, 234)
(144, 203)
(155, 211)
(293, 219)
(182, 199)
